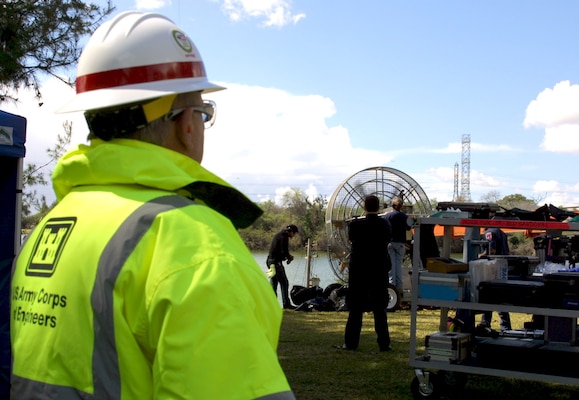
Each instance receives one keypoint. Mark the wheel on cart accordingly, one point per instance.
(453, 381)
(426, 386)
(394, 298)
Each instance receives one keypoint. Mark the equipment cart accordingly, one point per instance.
(443, 360)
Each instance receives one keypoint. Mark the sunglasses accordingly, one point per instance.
(207, 111)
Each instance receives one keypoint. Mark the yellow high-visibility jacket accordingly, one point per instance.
(128, 289)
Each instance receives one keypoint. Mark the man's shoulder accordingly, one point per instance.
(395, 214)
(357, 220)
(360, 223)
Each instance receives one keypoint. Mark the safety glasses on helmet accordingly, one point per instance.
(207, 111)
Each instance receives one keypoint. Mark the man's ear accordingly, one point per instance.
(178, 138)
(185, 128)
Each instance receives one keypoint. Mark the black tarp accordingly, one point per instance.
(12, 151)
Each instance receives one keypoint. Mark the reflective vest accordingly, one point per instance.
(128, 290)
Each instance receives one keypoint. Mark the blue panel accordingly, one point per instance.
(438, 292)
(12, 149)
(12, 135)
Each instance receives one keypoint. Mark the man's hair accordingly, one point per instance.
(396, 203)
(371, 203)
(292, 228)
(155, 133)
(129, 122)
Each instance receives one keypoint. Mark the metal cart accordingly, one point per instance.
(435, 376)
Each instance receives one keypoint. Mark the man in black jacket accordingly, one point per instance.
(279, 252)
(368, 275)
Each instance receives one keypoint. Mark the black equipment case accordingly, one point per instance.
(528, 293)
(527, 355)
(562, 289)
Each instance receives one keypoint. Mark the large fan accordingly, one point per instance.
(348, 199)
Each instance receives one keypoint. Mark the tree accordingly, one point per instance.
(517, 201)
(258, 236)
(33, 175)
(491, 197)
(434, 203)
(42, 37)
(296, 208)
(510, 201)
(308, 214)
(314, 219)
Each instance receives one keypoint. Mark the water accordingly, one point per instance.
(296, 271)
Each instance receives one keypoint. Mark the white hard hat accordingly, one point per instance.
(137, 57)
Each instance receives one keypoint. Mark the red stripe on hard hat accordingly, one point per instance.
(142, 74)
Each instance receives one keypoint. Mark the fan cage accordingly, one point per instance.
(347, 201)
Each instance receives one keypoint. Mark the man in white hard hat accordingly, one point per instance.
(137, 284)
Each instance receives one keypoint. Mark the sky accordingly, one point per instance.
(318, 90)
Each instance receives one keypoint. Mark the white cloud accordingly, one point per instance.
(311, 192)
(484, 182)
(451, 148)
(554, 107)
(553, 192)
(562, 138)
(456, 148)
(492, 148)
(151, 4)
(546, 186)
(437, 183)
(272, 12)
(267, 138)
(280, 194)
(556, 110)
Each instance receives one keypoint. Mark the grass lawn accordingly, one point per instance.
(317, 371)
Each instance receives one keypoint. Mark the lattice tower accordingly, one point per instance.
(465, 172)
(455, 192)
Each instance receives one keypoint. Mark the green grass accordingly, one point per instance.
(317, 371)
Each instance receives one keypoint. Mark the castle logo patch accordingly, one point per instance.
(49, 246)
